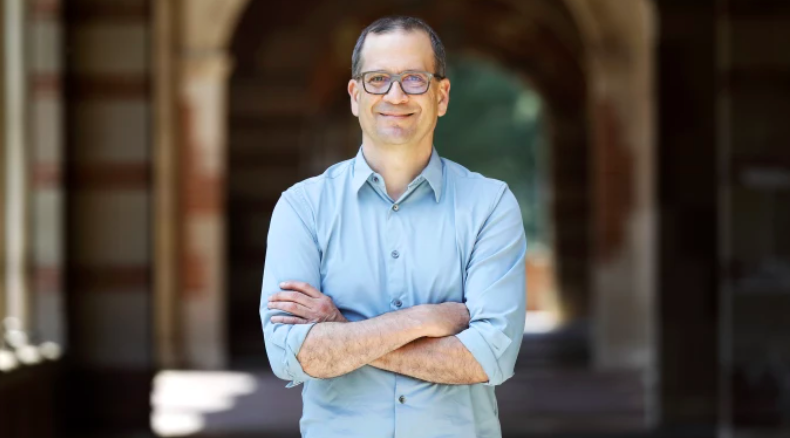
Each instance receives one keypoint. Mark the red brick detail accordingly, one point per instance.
(202, 192)
(47, 279)
(204, 195)
(45, 9)
(614, 189)
(110, 87)
(194, 273)
(45, 85)
(540, 279)
(46, 175)
(112, 176)
(96, 279)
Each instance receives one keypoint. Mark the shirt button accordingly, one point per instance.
(395, 207)
(397, 303)
(402, 399)
(395, 254)
(375, 179)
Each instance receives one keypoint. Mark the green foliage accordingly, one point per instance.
(495, 127)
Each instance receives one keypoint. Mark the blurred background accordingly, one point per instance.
(145, 142)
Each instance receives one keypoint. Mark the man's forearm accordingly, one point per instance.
(438, 360)
(332, 349)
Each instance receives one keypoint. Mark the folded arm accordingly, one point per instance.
(438, 360)
(332, 349)
(335, 346)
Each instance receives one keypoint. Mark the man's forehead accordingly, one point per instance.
(398, 50)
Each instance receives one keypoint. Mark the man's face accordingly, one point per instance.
(397, 118)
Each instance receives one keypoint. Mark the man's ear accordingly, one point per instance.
(353, 92)
(443, 96)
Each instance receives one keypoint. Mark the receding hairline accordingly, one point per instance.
(400, 30)
(399, 23)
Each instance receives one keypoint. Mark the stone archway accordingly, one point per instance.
(611, 55)
(298, 93)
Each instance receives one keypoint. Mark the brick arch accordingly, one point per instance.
(591, 62)
(537, 39)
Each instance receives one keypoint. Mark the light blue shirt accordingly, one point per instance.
(454, 235)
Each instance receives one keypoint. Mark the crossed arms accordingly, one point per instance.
(418, 342)
(307, 338)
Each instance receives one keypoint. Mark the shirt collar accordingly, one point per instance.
(432, 173)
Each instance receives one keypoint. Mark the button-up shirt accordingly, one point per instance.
(453, 235)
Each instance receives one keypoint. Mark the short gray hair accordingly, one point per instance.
(393, 23)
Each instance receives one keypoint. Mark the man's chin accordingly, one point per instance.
(394, 141)
(394, 135)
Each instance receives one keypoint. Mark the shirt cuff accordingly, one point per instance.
(486, 349)
(293, 344)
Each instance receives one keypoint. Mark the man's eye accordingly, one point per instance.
(377, 79)
(414, 78)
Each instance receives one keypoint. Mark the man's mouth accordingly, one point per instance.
(396, 115)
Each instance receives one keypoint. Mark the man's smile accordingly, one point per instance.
(395, 115)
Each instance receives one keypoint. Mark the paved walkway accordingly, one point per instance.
(225, 404)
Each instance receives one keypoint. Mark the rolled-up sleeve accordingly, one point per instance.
(495, 290)
(291, 254)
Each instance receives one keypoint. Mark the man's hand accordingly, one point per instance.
(305, 303)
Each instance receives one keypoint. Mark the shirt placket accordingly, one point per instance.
(396, 274)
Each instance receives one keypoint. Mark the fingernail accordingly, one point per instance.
(283, 284)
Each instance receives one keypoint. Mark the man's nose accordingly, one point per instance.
(396, 95)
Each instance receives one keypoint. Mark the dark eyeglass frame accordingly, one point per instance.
(397, 78)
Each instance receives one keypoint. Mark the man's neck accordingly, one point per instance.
(398, 164)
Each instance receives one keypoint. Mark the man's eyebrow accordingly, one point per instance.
(397, 71)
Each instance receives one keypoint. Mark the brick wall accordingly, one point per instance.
(108, 165)
(46, 162)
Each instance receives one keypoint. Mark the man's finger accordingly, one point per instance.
(290, 307)
(288, 320)
(296, 297)
(301, 286)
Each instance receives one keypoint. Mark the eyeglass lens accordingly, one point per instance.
(411, 83)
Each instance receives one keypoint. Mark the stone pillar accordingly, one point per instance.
(202, 106)
(3, 142)
(623, 216)
(15, 136)
(620, 49)
(620, 64)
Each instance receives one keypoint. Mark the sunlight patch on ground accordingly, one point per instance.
(540, 321)
(180, 399)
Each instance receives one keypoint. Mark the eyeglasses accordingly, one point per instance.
(411, 81)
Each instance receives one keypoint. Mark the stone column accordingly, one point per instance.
(624, 222)
(202, 107)
(18, 300)
(622, 102)
(3, 142)
(619, 40)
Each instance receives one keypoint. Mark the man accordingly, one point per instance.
(394, 282)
